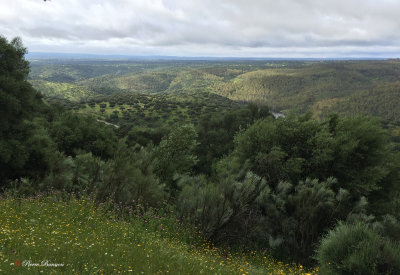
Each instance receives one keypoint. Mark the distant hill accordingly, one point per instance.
(348, 87)
(368, 87)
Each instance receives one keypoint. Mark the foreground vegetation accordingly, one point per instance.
(320, 192)
(83, 238)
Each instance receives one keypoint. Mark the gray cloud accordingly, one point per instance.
(291, 28)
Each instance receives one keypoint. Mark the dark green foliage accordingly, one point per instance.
(228, 211)
(278, 150)
(18, 99)
(348, 160)
(389, 226)
(28, 152)
(296, 216)
(175, 154)
(353, 150)
(128, 177)
(361, 155)
(24, 145)
(84, 173)
(216, 133)
(61, 176)
(41, 149)
(13, 64)
(356, 249)
(72, 132)
(144, 136)
(288, 220)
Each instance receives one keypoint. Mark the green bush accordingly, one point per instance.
(226, 212)
(356, 249)
(129, 177)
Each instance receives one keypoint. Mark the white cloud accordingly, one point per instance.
(286, 28)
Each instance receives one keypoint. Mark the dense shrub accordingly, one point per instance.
(129, 177)
(73, 132)
(225, 211)
(175, 154)
(356, 249)
(353, 150)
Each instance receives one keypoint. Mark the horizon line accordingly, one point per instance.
(77, 55)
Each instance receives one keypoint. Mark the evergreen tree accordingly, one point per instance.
(22, 143)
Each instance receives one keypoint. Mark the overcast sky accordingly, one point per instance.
(241, 28)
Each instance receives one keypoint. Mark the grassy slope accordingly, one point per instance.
(87, 241)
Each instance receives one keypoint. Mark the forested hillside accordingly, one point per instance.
(345, 87)
(321, 87)
(211, 184)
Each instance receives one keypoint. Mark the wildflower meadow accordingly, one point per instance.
(52, 235)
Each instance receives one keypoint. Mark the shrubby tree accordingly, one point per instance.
(61, 175)
(216, 134)
(357, 249)
(88, 172)
(287, 220)
(126, 178)
(355, 151)
(297, 215)
(176, 154)
(310, 182)
(129, 176)
(361, 154)
(224, 211)
(82, 173)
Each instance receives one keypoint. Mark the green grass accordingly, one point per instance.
(84, 238)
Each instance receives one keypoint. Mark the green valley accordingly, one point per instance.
(323, 87)
(198, 166)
